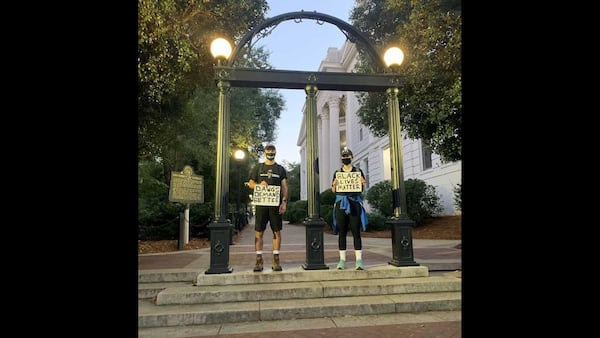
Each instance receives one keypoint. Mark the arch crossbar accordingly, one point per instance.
(349, 31)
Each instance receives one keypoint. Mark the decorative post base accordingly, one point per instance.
(220, 232)
(315, 249)
(402, 245)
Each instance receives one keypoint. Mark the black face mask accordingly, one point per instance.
(270, 156)
(346, 160)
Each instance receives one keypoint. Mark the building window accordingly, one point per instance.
(426, 155)
(360, 134)
(343, 142)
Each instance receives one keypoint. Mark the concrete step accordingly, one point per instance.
(364, 323)
(151, 290)
(168, 275)
(151, 282)
(301, 290)
(298, 274)
(151, 315)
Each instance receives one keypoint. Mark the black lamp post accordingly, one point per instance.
(220, 229)
(400, 224)
(239, 155)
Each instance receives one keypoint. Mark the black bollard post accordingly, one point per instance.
(220, 233)
(402, 248)
(315, 248)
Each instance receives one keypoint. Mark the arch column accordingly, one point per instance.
(315, 248)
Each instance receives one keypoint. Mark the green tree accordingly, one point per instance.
(293, 173)
(174, 61)
(429, 33)
(177, 96)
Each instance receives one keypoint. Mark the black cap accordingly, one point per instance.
(346, 151)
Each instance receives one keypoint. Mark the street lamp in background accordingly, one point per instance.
(399, 222)
(239, 155)
(220, 229)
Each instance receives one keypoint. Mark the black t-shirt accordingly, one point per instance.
(273, 173)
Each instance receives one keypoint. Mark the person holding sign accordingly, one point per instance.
(269, 182)
(348, 210)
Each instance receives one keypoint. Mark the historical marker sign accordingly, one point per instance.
(186, 187)
(266, 196)
(348, 181)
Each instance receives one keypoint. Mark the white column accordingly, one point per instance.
(334, 134)
(320, 154)
(324, 156)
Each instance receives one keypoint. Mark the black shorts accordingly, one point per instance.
(268, 214)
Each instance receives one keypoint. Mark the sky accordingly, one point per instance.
(300, 46)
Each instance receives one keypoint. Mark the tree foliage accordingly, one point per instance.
(177, 96)
(174, 39)
(293, 174)
(174, 60)
(429, 33)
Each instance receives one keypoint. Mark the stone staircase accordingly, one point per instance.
(183, 297)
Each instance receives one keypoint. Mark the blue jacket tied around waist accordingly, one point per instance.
(345, 205)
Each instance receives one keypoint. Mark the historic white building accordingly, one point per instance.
(338, 126)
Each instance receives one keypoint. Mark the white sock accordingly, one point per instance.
(342, 255)
(258, 252)
(275, 252)
(358, 254)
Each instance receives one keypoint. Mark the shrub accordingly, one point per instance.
(296, 211)
(327, 197)
(377, 222)
(421, 199)
(458, 196)
(327, 214)
(379, 197)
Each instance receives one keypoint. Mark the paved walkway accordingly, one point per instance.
(440, 256)
(437, 255)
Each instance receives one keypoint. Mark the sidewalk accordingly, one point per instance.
(440, 256)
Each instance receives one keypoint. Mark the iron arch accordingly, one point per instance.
(348, 30)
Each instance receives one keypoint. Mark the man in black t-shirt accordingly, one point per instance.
(266, 174)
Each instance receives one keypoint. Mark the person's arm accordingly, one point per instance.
(284, 190)
(284, 194)
(254, 174)
(333, 182)
(251, 181)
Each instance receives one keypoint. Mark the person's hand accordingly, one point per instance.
(334, 184)
(264, 183)
(282, 207)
